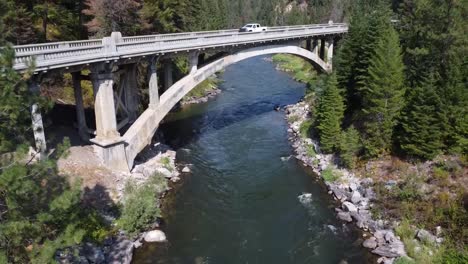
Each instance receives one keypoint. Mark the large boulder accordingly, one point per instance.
(356, 197)
(345, 216)
(370, 243)
(350, 207)
(426, 236)
(121, 252)
(155, 236)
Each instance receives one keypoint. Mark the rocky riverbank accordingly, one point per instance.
(354, 193)
(203, 92)
(82, 163)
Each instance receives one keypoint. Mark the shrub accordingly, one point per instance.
(311, 151)
(330, 175)
(305, 128)
(404, 260)
(141, 204)
(349, 147)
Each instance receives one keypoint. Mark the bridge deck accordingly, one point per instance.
(58, 55)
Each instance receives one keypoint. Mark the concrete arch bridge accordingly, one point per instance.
(116, 58)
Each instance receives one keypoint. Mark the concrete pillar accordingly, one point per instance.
(80, 113)
(167, 75)
(104, 106)
(308, 44)
(153, 85)
(330, 50)
(193, 62)
(37, 125)
(201, 58)
(315, 46)
(322, 49)
(131, 91)
(108, 143)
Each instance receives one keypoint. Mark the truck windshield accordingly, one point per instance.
(249, 26)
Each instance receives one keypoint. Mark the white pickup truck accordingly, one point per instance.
(252, 28)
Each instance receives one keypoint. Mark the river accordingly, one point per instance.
(241, 203)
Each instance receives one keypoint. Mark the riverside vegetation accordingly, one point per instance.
(394, 110)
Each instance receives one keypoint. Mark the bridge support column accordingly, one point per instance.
(80, 113)
(308, 44)
(37, 125)
(153, 85)
(330, 45)
(193, 62)
(315, 46)
(108, 143)
(131, 91)
(168, 75)
(322, 49)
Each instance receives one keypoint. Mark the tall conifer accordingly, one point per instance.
(422, 122)
(382, 94)
(330, 113)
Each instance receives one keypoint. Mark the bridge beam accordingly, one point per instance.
(37, 125)
(80, 113)
(108, 143)
(153, 85)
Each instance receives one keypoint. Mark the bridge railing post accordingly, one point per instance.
(110, 43)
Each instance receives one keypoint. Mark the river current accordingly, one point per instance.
(243, 201)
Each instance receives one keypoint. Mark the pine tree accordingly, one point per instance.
(350, 147)
(329, 116)
(433, 36)
(368, 22)
(421, 123)
(382, 94)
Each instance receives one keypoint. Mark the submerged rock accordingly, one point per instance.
(305, 198)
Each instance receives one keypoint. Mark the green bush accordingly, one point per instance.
(311, 151)
(330, 175)
(141, 205)
(305, 128)
(349, 147)
(404, 260)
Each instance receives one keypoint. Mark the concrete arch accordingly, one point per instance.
(139, 135)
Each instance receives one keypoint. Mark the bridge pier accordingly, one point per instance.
(108, 143)
(130, 93)
(193, 62)
(37, 125)
(322, 49)
(308, 44)
(330, 44)
(80, 113)
(315, 46)
(168, 81)
(153, 85)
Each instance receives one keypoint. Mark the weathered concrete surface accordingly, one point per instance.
(140, 133)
